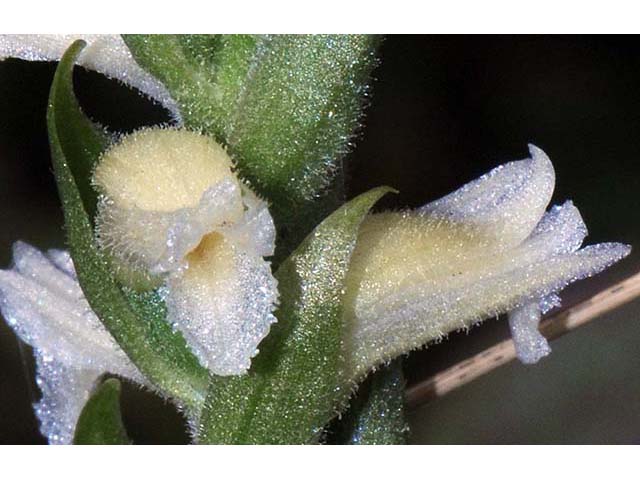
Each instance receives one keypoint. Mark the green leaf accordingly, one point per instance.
(376, 415)
(100, 422)
(135, 320)
(295, 385)
(286, 106)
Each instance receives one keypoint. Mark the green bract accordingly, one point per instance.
(376, 414)
(100, 422)
(295, 386)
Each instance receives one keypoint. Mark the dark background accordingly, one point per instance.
(444, 110)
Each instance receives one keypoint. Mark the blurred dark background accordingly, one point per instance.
(444, 110)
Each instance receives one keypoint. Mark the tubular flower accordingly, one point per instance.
(485, 249)
(172, 207)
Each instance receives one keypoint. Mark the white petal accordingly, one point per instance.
(506, 203)
(65, 390)
(549, 302)
(389, 321)
(62, 260)
(31, 263)
(223, 304)
(42, 301)
(106, 54)
(530, 345)
(561, 230)
(159, 241)
(46, 308)
(256, 231)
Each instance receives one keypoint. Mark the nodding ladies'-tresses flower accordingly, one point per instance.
(172, 209)
(485, 249)
(174, 218)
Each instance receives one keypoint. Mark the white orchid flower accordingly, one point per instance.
(41, 300)
(485, 249)
(173, 207)
(106, 54)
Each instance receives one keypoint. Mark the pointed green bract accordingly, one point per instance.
(286, 106)
(295, 386)
(100, 422)
(136, 321)
(376, 415)
(83, 140)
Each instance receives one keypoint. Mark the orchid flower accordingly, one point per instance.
(485, 249)
(40, 297)
(171, 206)
(41, 300)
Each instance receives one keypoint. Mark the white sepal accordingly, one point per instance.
(106, 54)
(42, 301)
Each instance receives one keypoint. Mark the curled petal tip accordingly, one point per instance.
(530, 345)
(505, 203)
(537, 153)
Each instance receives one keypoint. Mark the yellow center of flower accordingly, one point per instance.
(212, 258)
